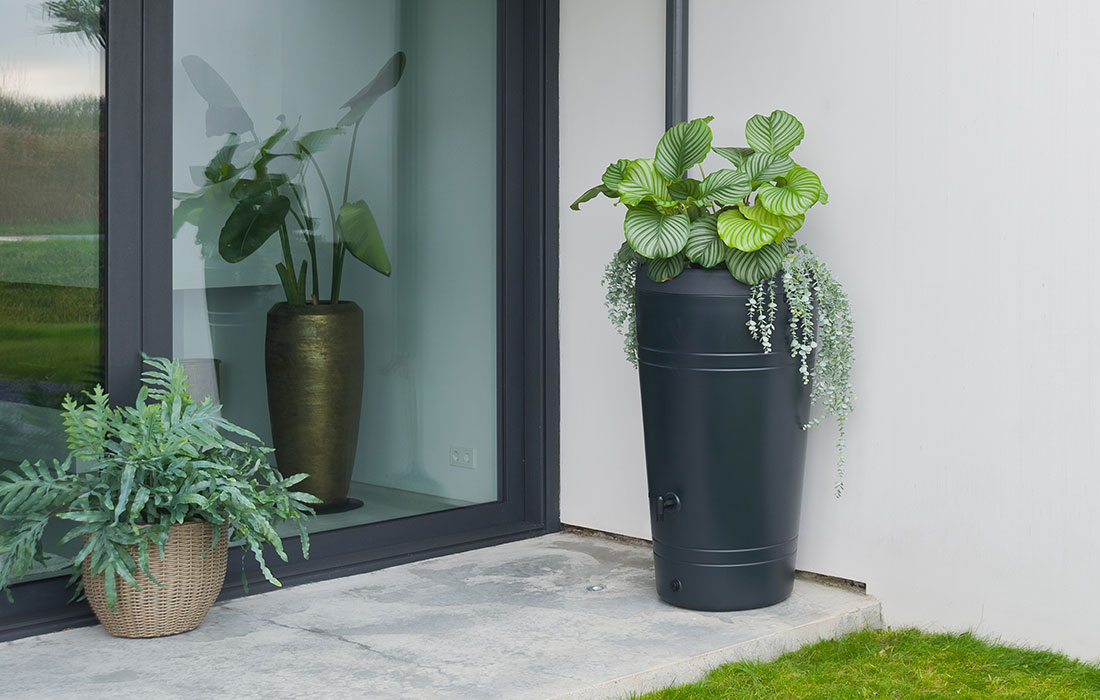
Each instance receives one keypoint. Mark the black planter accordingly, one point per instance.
(725, 449)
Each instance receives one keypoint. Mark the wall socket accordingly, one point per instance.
(464, 457)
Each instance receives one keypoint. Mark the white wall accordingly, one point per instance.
(956, 140)
(607, 111)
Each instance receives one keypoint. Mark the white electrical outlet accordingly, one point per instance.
(464, 457)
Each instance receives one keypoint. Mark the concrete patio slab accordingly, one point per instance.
(515, 622)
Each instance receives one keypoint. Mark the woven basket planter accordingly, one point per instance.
(191, 585)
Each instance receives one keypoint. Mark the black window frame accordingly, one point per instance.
(138, 299)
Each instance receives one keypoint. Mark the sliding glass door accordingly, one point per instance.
(205, 178)
(348, 147)
(51, 234)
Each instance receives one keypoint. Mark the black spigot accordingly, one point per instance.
(669, 501)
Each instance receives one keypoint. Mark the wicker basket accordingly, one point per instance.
(191, 585)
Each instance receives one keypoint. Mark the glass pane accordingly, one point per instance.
(371, 125)
(51, 310)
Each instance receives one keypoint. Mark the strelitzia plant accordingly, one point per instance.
(266, 195)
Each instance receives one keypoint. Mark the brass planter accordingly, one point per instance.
(314, 356)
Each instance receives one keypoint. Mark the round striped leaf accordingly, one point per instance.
(641, 181)
(685, 189)
(761, 167)
(744, 234)
(755, 266)
(787, 225)
(703, 244)
(725, 186)
(653, 234)
(735, 154)
(778, 133)
(664, 269)
(793, 197)
(615, 173)
(591, 194)
(683, 146)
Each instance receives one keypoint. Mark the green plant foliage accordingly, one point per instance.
(777, 133)
(760, 201)
(798, 191)
(619, 278)
(642, 181)
(704, 247)
(363, 238)
(262, 184)
(655, 234)
(683, 147)
(134, 471)
(725, 187)
(744, 234)
(664, 269)
(744, 218)
(757, 265)
(821, 322)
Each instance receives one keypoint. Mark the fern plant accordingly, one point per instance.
(134, 471)
(743, 219)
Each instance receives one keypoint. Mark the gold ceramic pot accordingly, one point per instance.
(314, 355)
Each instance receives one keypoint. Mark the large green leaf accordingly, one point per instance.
(755, 266)
(642, 181)
(221, 168)
(653, 233)
(798, 193)
(684, 189)
(591, 194)
(360, 232)
(683, 146)
(615, 174)
(725, 186)
(252, 222)
(664, 269)
(385, 80)
(778, 133)
(761, 167)
(745, 234)
(704, 246)
(316, 141)
(787, 225)
(735, 155)
(247, 188)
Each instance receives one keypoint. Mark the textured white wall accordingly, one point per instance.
(956, 140)
(610, 108)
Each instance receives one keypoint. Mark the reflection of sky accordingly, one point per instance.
(36, 64)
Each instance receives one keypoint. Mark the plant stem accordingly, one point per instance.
(339, 248)
(334, 295)
(311, 241)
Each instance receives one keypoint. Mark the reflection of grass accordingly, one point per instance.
(86, 227)
(76, 114)
(49, 333)
(67, 353)
(71, 262)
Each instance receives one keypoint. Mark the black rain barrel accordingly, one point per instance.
(725, 450)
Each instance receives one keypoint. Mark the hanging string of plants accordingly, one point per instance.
(709, 273)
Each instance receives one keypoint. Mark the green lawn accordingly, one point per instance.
(69, 262)
(899, 664)
(80, 227)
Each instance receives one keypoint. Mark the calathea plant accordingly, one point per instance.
(135, 471)
(743, 217)
(263, 185)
